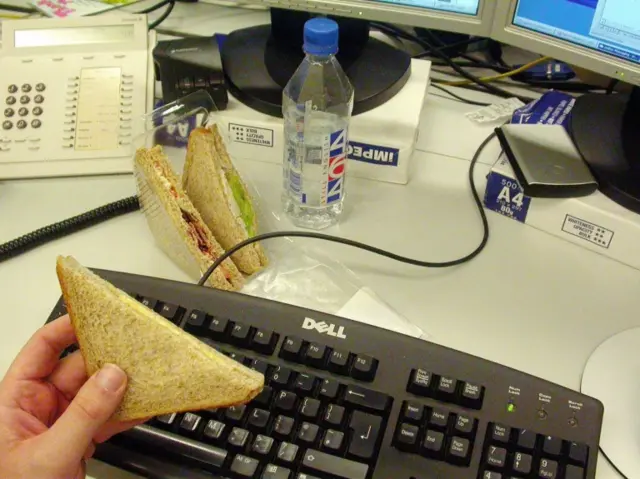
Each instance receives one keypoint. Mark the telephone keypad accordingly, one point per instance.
(12, 88)
(7, 125)
(8, 112)
(11, 100)
(24, 98)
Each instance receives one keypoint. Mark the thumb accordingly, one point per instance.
(92, 407)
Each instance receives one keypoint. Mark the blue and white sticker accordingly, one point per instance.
(505, 196)
(374, 154)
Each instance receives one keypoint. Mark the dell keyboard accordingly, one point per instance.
(345, 400)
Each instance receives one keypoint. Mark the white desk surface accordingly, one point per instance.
(523, 315)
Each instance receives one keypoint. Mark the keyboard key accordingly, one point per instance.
(316, 355)
(548, 469)
(459, 451)
(472, 395)
(259, 365)
(325, 464)
(195, 321)
(446, 389)
(552, 446)
(166, 419)
(286, 401)
(279, 377)
(497, 457)
(308, 433)
(406, 438)
(190, 423)
(527, 439)
(334, 415)
(213, 430)
(302, 475)
(283, 427)
(366, 428)
(574, 472)
(238, 438)
(258, 420)
(310, 408)
(304, 384)
(218, 328)
(463, 425)
(339, 362)
(150, 303)
(578, 453)
(264, 341)
(241, 358)
(262, 445)
(412, 412)
(438, 419)
(292, 349)
(287, 453)
(264, 398)
(244, 466)
(433, 444)
(500, 433)
(491, 475)
(522, 463)
(172, 312)
(362, 398)
(420, 382)
(234, 414)
(364, 368)
(329, 389)
(241, 334)
(333, 441)
(275, 472)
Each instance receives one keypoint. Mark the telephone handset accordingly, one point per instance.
(75, 92)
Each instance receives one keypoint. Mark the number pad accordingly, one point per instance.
(18, 104)
(525, 453)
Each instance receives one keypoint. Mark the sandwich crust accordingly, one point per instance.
(168, 370)
(204, 180)
(177, 224)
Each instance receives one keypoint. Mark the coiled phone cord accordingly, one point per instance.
(71, 225)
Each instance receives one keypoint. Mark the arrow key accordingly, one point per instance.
(366, 429)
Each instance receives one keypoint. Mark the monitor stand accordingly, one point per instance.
(612, 375)
(606, 130)
(259, 61)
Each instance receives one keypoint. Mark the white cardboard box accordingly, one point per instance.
(382, 141)
(593, 222)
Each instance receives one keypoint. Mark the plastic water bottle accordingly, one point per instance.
(317, 106)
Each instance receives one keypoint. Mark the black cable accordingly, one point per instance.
(154, 7)
(373, 249)
(611, 463)
(458, 97)
(425, 44)
(71, 225)
(164, 16)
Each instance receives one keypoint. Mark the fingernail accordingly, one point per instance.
(111, 377)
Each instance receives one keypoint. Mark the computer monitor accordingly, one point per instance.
(259, 61)
(602, 36)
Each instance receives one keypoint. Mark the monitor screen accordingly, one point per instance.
(469, 7)
(608, 26)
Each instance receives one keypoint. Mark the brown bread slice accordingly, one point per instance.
(168, 369)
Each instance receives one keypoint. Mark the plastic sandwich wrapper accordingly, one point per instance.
(296, 274)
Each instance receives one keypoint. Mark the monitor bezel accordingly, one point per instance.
(476, 25)
(505, 31)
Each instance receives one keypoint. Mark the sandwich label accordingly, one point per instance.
(251, 135)
(323, 327)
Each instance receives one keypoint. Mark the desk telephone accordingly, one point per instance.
(75, 92)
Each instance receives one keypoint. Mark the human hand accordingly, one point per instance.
(51, 414)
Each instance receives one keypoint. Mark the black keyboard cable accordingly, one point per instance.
(57, 230)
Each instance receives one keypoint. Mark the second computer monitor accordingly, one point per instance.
(472, 17)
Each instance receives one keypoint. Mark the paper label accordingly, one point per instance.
(502, 110)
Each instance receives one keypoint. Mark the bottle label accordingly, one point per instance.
(335, 166)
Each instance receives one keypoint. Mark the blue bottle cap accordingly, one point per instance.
(321, 36)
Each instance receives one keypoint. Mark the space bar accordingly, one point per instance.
(178, 444)
(316, 461)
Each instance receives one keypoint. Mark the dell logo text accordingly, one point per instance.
(324, 328)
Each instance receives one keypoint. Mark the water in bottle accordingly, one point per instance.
(317, 106)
